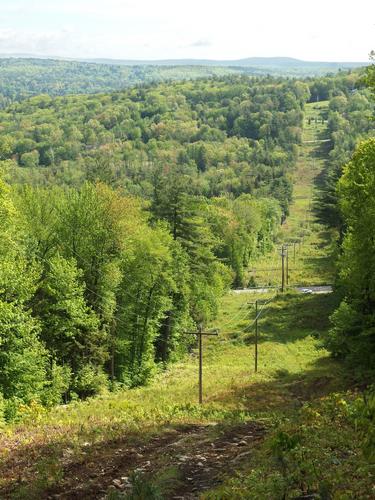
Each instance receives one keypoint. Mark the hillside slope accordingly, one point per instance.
(285, 432)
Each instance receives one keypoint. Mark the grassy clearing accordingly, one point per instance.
(310, 259)
(289, 355)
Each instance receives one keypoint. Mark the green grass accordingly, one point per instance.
(295, 389)
(289, 351)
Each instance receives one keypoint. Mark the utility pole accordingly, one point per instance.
(287, 264)
(282, 268)
(257, 315)
(200, 334)
(256, 336)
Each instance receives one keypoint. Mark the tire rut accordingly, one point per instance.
(201, 455)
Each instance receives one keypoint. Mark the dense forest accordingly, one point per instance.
(229, 136)
(126, 216)
(347, 202)
(349, 121)
(21, 77)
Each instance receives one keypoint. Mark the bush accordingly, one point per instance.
(351, 338)
(58, 385)
(10, 408)
(343, 321)
(89, 380)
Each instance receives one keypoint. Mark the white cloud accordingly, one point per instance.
(201, 42)
(63, 43)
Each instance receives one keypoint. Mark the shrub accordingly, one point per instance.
(89, 380)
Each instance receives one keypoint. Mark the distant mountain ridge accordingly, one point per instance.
(247, 62)
(271, 62)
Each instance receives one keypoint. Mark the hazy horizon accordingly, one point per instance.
(77, 58)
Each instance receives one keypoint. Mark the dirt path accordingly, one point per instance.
(197, 457)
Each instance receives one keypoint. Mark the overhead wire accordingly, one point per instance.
(274, 269)
(249, 327)
(236, 317)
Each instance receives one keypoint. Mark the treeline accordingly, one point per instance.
(232, 136)
(352, 336)
(349, 121)
(352, 198)
(97, 288)
(326, 87)
(21, 78)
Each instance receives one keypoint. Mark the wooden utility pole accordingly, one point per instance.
(257, 315)
(282, 268)
(287, 265)
(200, 333)
(200, 376)
(256, 336)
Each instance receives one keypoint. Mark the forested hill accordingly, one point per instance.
(22, 77)
(286, 66)
(225, 136)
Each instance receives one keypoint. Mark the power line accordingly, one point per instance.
(257, 316)
(273, 262)
(259, 313)
(236, 316)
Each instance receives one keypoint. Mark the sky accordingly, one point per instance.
(320, 30)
